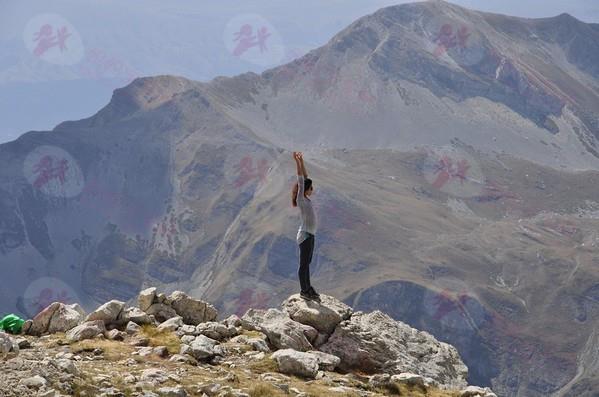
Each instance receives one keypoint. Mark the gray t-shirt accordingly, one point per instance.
(308, 216)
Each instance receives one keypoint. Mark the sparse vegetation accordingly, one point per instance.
(267, 364)
(112, 350)
(265, 390)
(162, 338)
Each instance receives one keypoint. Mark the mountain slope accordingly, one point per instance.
(453, 154)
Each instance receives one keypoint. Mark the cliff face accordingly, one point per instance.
(465, 213)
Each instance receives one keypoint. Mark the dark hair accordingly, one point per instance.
(307, 185)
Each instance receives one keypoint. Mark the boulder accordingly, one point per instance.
(34, 382)
(233, 320)
(172, 324)
(7, 345)
(281, 331)
(292, 362)
(108, 312)
(374, 342)
(86, 330)
(57, 317)
(326, 362)
(115, 334)
(202, 348)
(161, 311)
(135, 315)
(408, 378)
(154, 376)
(216, 330)
(132, 328)
(65, 318)
(193, 311)
(146, 298)
(187, 329)
(42, 319)
(475, 391)
(323, 316)
(175, 391)
(26, 328)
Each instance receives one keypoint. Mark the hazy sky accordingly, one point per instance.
(109, 42)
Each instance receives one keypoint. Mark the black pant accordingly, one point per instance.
(306, 248)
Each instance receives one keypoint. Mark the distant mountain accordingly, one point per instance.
(454, 156)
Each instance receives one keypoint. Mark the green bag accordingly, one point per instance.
(12, 324)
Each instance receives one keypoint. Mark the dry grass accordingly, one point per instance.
(162, 338)
(265, 390)
(112, 350)
(267, 364)
(252, 334)
(397, 389)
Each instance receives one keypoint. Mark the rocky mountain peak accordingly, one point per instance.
(171, 345)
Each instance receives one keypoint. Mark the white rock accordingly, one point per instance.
(135, 315)
(172, 324)
(193, 311)
(323, 316)
(146, 298)
(202, 347)
(132, 328)
(281, 331)
(292, 362)
(161, 311)
(154, 375)
(408, 378)
(108, 312)
(376, 342)
(176, 391)
(326, 362)
(86, 330)
(34, 382)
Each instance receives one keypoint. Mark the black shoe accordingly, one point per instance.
(306, 295)
(314, 294)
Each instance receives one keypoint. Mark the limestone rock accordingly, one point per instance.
(146, 298)
(475, 391)
(281, 331)
(108, 312)
(34, 382)
(172, 324)
(7, 344)
(326, 362)
(203, 347)
(132, 328)
(86, 330)
(292, 362)
(408, 378)
(57, 317)
(216, 330)
(65, 318)
(161, 312)
(193, 311)
(323, 316)
(135, 315)
(374, 342)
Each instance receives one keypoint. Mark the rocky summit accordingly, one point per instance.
(175, 346)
